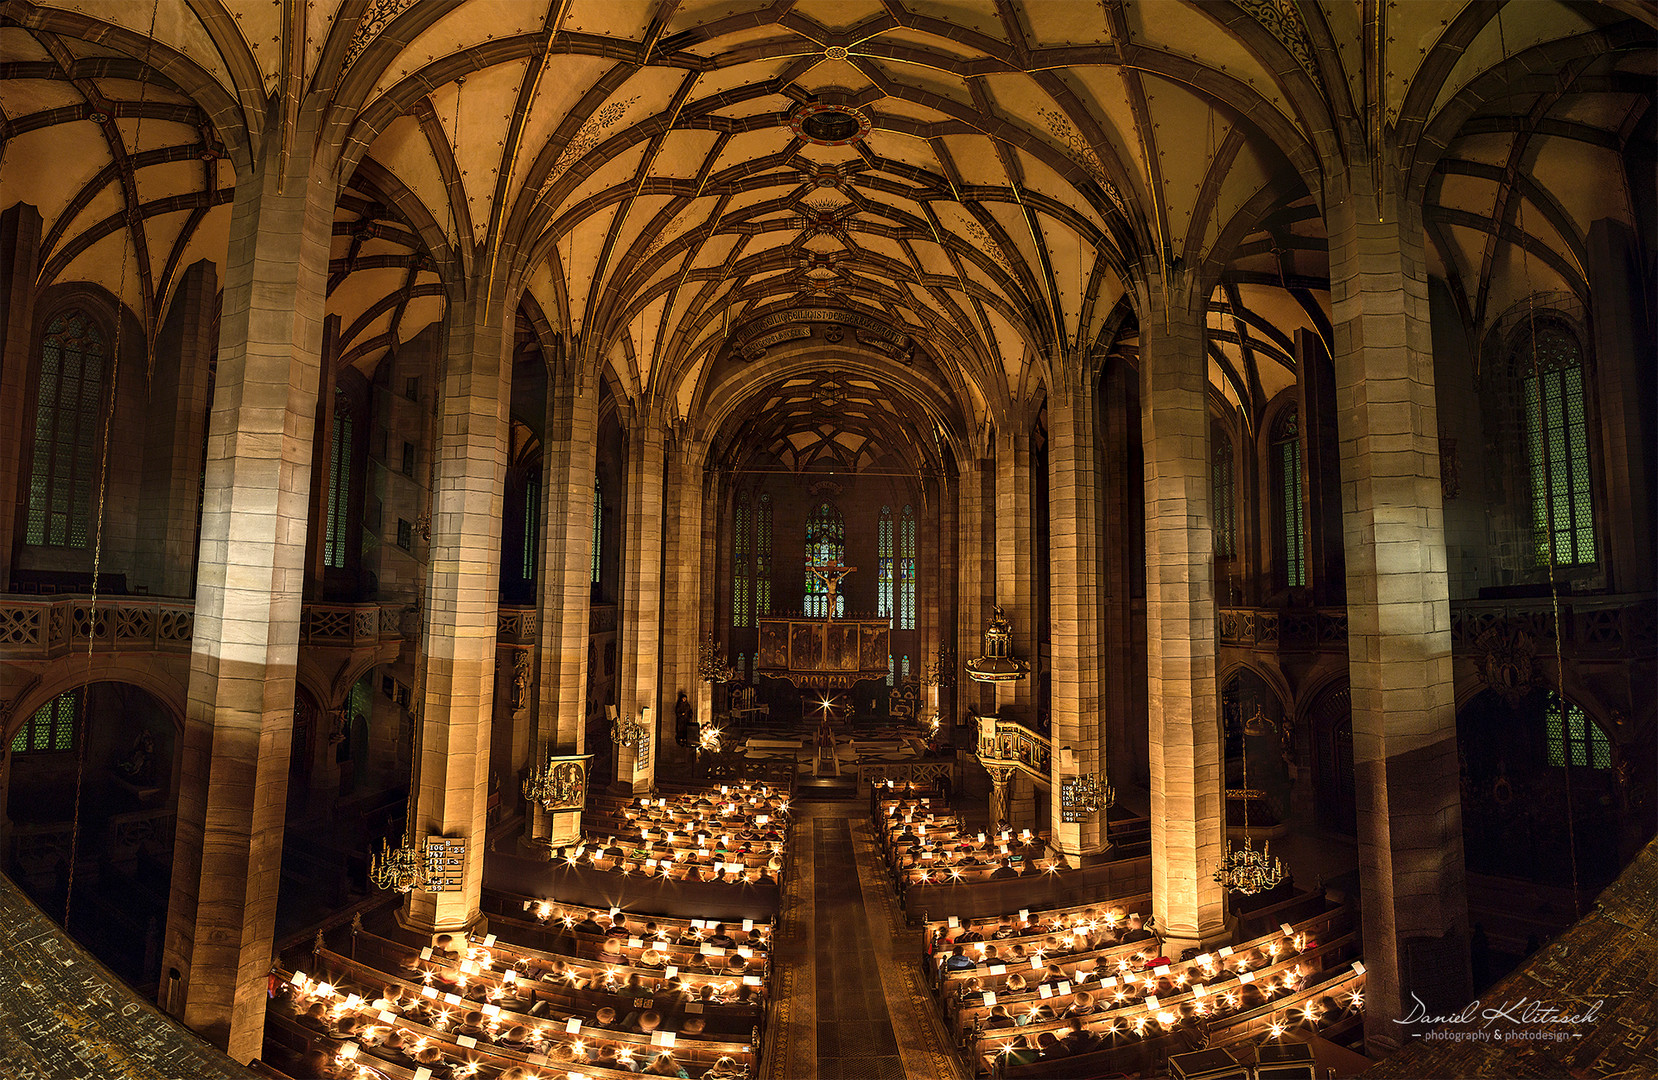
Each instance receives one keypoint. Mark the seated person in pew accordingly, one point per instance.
(432, 1058)
(665, 1065)
(315, 1017)
(472, 1026)
(1136, 930)
(999, 1018)
(958, 960)
(590, 924)
(1002, 872)
(1049, 1047)
(314, 1065)
(1020, 1052)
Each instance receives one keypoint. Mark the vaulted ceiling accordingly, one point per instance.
(981, 179)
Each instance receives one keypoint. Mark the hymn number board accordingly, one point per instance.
(445, 864)
(1072, 810)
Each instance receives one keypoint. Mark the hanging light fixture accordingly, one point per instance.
(1245, 870)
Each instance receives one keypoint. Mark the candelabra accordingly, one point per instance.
(1245, 870)
(709, 740)
(632, 733)
(1092, 796)
(400, 869)
(711, 662)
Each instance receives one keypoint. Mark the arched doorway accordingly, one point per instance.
(91, 806)
(1334, 788)
(1538, 798)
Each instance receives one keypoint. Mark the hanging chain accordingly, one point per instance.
(1541, 420)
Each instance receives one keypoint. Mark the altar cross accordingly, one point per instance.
(830, 573)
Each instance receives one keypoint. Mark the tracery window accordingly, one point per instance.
(762, 557)
(883, 558)
(1224, 490)
(825, 543)
(906, 571)
(339, 484)
(68, 401)
(52, 728)
(532, 527)
(1292, 525)
(1550, 365)
(742, 569)
(1574, 738)
(598, 533)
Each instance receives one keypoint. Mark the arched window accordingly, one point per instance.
(532, 527)
(906, 571)
(68, 403)
(1292, 526)
(883, 557)
(598, 533)
(52, 728)
(742, 568)
(762, 557)
(339, 483)
(825, 542)
(1223, 492)
(1549, 363)
(1574, 738)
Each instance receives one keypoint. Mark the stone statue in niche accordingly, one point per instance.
(138, 767)
(520, 679)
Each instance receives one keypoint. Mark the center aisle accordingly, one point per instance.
(852, 1002)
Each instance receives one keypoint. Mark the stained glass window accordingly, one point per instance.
(906, 571)
(742, 571)
(1286, 449)
(904, 668)
(339, 483)
(825, 543)
(762, 557)
(52, 728)
(892, 670)
(883, 557)
(68, 402)
(532, 526)
(1557, 449)
(1574, 738)
(1223, 492)
(598, 532)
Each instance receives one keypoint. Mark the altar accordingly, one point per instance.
(825, 652)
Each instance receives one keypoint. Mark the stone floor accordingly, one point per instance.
(852, 1005)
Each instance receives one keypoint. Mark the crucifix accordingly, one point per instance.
(830, 573)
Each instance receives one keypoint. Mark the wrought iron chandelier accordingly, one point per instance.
(400, 869)
(1245, 870)
(630, 732)
(712, 664)
(1092, 796)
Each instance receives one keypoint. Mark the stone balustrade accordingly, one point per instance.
(1599, 627)
(33, 628)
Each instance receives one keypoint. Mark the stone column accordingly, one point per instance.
(227, 860)
(640, 638)
(173, 437)
(1077, 716)
(682, 585)
(1398, 613)
(999, 777)
(1321, 466)
(1187, 836)
(460, 630)
(707, 600)
(1623, 377)
(945, 698)
(19, 262)
(1012, 579)
(569, 463)
(972, 588)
